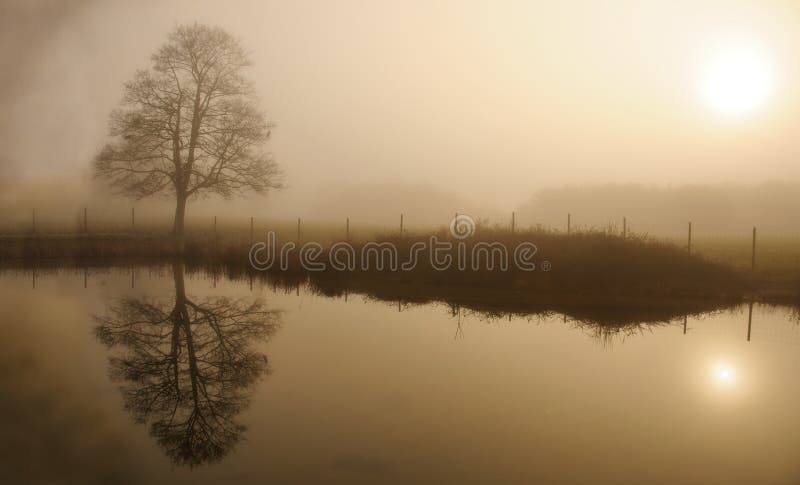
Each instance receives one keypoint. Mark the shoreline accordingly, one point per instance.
(589, 270)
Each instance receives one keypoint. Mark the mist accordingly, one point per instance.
(715, 210)
(456, 241)
(416, 108)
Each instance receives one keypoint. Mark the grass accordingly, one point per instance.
(596, 277)
(591, 266)
(777, 258)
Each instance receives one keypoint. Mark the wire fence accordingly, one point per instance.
(766, 252)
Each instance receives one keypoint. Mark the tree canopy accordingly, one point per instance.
(190, 125)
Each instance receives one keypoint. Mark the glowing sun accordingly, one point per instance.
(737, 81)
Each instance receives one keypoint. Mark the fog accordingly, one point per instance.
(715, 210)
(426, 108)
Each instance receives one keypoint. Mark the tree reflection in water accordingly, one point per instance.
(187, 368)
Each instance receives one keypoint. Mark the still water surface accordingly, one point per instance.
(204, 380)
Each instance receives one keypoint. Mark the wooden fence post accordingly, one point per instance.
(513, 221)
(401, 224)
(347, 230)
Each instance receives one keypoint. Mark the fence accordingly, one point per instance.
(326, 230)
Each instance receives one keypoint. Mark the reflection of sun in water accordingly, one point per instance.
(724, 374)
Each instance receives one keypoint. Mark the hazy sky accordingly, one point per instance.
(486, 100)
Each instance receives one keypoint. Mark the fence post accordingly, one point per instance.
(347, 230)
(513, 221)
(689, 246)
(753, 255)
(401, 224)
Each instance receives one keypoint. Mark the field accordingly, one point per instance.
(596, 267)
(777, 256)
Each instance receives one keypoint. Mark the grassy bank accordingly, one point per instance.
(593, 267)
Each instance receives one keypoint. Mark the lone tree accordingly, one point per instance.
(190, 126)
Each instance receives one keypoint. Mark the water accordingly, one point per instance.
(311, 389)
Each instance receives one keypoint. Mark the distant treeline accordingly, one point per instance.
(714, 210)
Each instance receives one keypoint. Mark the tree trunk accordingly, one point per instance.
(180, 288)
(178, 226)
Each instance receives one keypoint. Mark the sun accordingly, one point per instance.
(737, 80)
(723, 375)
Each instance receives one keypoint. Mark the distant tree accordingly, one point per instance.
(190, 126)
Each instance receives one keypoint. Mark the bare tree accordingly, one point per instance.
(190, 125)
(188, 368)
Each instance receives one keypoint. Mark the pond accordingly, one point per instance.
(163, 376)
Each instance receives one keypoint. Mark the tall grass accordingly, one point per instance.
(597, 267)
